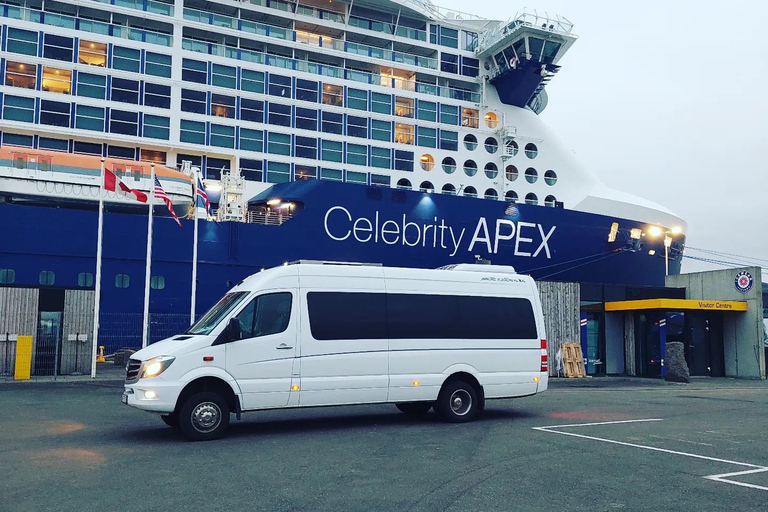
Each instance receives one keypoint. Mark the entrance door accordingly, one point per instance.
(705, 344)
(594, 357)
(48, 344)
(648, 344)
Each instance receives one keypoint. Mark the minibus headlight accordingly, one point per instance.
(155, 366)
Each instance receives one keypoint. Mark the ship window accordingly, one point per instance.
(550, 177)
(157, 95)
(380, 180)
(333, 95)
(251, 140)
(491, 145)
(148, 155)
(470, 168)
(278, 143)
(158, 65)
(357, 154)
(449, 63)
(449, 114)
(470, 192)
(191, 70)
(222, 136)
(404, 160)
(427, 137)
(491, 120)
(491, 170)
(531, 199)
(357, 177)
(279, 114)
(449, 165)
(511, 172)
(252, 110)
(357, 126)
(469, 117)
(48, 143)
(404, 133)
(157, 282)
(193, 101)
(156, 127)
(58, 47)
(280, 86)
(54, 113)
(7, 276)
(449, 140)
(427, 111)
(531, 150)
(305, 172)
(91, 86)
(470, 66)
(470, 142)
(252, 81)
(192, 131)
(278, 172)
(449, 190)
(122, 281)
(426, 186)
(531, 175)
(16, 108)
(332, 123)
(381, 103)
(404, 184)
(449, 37)
(16, 139)
(251, 170)
(535, 46)
(125, 91)
(47, 277)
(510, 148)
(550, 201)
(381, 130)
(331, 174)
(18, 74)
(223, 106)
(330, 150)
(224, 76)
(306, 118)
(491, 194)
(22, 41)
(89, 118)
(306, 90)
(127, 59)
(510, 196)
(215, 167)
(92, 53)
(357, 99)
(427, 162)
(403, 106)
(381, 157)
(125, 123)
(306, 147)
(120, 152)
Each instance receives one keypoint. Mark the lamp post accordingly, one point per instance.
(657, 231)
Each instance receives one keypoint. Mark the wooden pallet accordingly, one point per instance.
(573, 360)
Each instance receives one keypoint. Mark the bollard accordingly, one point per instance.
(100, 355)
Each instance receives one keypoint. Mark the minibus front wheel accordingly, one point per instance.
(204, 416)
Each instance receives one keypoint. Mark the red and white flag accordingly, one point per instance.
(112, 182)
(159, 192)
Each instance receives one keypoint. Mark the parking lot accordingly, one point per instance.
(595, 444)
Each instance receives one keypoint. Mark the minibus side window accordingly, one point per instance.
(264, 315)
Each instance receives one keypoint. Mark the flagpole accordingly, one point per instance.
(148, 275)
(195, 179)
(97, 291)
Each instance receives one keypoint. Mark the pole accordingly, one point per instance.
(148, 271)
(97, 292)
(194, 251)
(667, 243)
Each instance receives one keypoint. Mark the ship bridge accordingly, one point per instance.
(520, 57)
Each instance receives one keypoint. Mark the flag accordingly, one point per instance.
(159, 192)
(202, 194)
(111, 181)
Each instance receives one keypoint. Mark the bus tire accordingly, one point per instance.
(457, 402)
(204, 416)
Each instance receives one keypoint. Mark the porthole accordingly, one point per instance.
(470, 192)
(47, 277)
(426, 187)
(470, 142)
(510, 148)
(427, 162)
(531, 199)
(491, 120)
(491, 170)
(511, 172)
(550, 177)
(122, 281)
(470, 168)
(531, 150)
(449, 189)
(550, 201)
(404, 184)
(491, 145)
(491, 194)
(449, 165)
(531, 175)
(510, 196)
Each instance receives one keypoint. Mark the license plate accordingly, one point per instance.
(124, 398)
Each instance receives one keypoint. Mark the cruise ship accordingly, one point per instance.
(389, 131)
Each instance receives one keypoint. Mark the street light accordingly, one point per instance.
(655, 231)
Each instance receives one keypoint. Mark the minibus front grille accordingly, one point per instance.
(132, 370)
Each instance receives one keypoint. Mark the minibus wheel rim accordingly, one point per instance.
(461, 402)
(206, 417)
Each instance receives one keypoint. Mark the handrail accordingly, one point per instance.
(552, 24)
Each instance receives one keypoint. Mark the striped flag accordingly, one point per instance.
(202, 194)
(159, 192)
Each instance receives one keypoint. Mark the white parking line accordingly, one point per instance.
(724, 477)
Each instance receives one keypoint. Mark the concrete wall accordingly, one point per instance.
(742, 331)
(560, 303)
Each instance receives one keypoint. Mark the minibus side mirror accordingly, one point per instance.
(233, 329)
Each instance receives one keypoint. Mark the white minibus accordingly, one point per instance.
(313, 334)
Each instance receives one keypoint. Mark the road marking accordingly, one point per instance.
(724, 477)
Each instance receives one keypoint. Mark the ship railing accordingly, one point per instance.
(269, 219)
(531, 20)
(442, 12)
(152, 6)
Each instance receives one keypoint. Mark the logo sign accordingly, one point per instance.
(744, 281)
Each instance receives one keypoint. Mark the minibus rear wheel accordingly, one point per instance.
(204, 416)
(414, 408)
(457, 402)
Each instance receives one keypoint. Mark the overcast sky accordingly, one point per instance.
(667, 100)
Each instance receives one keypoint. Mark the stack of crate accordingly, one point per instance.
(573, 360)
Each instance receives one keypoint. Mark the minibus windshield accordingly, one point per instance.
(212, 318)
